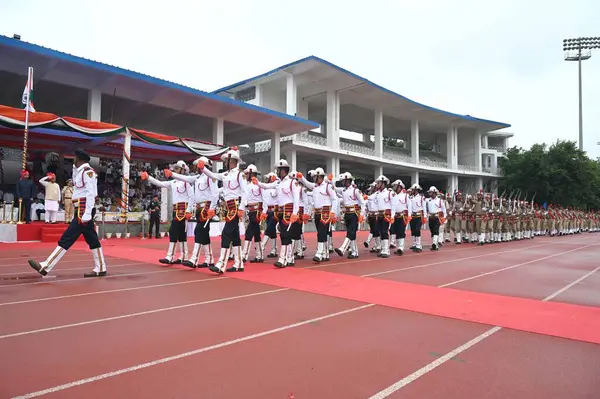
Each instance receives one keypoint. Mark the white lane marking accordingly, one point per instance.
(27, 273)
(201, 280)
(147, 312)
(579, 280)
(467, 247)
(514, 266)
(190, 353)
(451, 260)
(438, 362)
(90, 279)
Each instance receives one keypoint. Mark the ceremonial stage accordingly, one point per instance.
(511, 320)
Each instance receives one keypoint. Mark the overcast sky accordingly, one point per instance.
(499, 60)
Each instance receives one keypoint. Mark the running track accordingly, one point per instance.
(515, 320)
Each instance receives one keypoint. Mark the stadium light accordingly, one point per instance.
(580, 49)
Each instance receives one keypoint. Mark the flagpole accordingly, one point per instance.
(26, 133)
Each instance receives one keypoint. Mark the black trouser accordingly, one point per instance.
(351, 221)
(201, 233)
(25, 210)
(253, 229)
(284, 234)
(434, 225)
(177, 230)
(296, 230)
(271, 230)
(415, 226)
(400, 227)
(393, 228)
(373, 226)
(76, 229)
(154, 222)
(383, 226)
(231, 233)
(323, 230)
(39, 213)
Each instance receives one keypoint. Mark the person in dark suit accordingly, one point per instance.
(154, 209)
(26, 192)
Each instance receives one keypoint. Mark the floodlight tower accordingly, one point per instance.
(580, 49)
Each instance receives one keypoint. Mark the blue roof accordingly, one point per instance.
(368, 82)
(44, 51)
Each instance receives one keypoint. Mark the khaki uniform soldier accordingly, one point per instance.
(449, 226)
(470, 213)
(460, 218)
(496, 215)
(480, 210)
(506, 221)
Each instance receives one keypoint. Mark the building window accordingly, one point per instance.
(246, 94)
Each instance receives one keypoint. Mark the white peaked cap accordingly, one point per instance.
(282, 163)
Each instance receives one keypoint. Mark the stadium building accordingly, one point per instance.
(310, 112)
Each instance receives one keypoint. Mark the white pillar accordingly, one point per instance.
(477, 150)
(291, 98)
(125, 173)
(291, 159)
(478, 183)
(451, 147)
(337, 166)
(414, 141)
(258, 99)
(94, 109)
(414, 177)
(330, 167)
(378, 133)
(218, 138)
(378, 171)
(332, 119)
(452, 184)
(275, 148)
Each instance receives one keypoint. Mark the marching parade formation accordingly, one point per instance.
(286, 200)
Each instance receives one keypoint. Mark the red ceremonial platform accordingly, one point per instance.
(35, 231)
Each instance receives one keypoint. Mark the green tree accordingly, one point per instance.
(556, 174)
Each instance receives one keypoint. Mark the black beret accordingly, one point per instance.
(82, 155)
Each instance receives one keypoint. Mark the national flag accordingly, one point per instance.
(27, 98)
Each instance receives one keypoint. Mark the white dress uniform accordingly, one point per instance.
(233, 191)
(270, 203)
(253, 202)
(85, 191)
(372, 211)
(384, 205)
(288, 203)
(352, 202)
(182, 196)
(418, 211)
(206, 197)
(325, 201)
(401, 208)
(435, 207)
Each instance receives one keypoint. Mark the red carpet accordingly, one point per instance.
(549, 318)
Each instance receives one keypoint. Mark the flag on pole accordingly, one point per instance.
(27, 98)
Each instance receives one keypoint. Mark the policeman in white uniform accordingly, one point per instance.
(182, 194)
(206, 194)
(234, 191)
(85, 191)
(270, 204)
(254, 206)
(288, 204)
(402, 211)
(325, 204)
(354, 213)
(384, 217)
(417, 217)
(436, 213)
